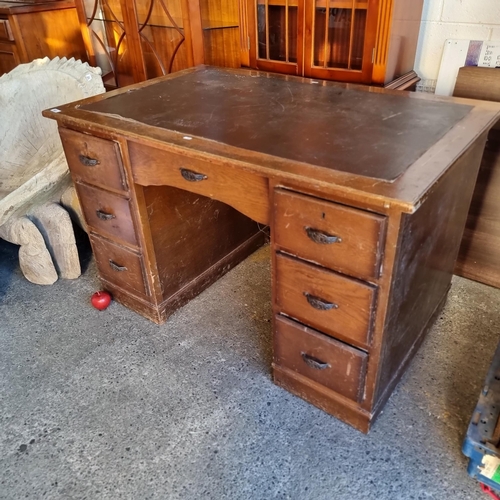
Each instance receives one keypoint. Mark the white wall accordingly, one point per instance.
(456, 19)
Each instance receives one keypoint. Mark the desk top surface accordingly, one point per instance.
(377, 147)
(348, 130)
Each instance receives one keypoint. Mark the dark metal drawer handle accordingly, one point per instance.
(320, 237)
(116, 267)
(87, 161)
(312, 362)
(104, 215)
(191, 176)
(320, 304)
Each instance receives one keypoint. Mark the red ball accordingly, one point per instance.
(101, 300)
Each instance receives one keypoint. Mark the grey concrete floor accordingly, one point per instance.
(107, 405)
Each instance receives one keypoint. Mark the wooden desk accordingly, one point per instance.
(366, 193)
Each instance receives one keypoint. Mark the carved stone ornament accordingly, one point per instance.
(36, 192)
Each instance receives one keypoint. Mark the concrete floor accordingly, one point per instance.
(107, 405)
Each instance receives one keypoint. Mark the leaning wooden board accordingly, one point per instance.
(479, 257)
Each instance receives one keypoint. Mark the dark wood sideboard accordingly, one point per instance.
(31, 30)
(365, 190)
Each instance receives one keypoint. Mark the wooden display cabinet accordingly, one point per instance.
(359, 41)
(30, 30)
(135, 40)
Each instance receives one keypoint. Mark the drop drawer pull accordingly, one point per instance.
(104, 215)
(320, 237)
(313, 362)
(320, 304)
(116, 267)
(191, 176)
(87, 161)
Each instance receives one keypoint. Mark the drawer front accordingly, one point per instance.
(9, 57)
(5, 31)
(341, 238)
(244, 191)
(332, 303)
(330, 363)
(107, 213)
(119, 265)
(93, 160)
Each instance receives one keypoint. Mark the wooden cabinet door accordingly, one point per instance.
(339, 39)
(276, 35)
(110, 41)
(327, 39)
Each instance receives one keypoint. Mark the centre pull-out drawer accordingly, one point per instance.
(245, 191)
(119, 266)
(93, 160)
(327, 361)
(342, 238)
(107, 214)
(337, 305)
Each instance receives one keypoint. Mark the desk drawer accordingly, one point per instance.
(337, 305)
(107, 213)
(327, 361)
(5, 31)
(93, 160)
(342, 238)
(244, 191)
(119, 265)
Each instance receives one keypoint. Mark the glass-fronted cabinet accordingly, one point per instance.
(107, 40)
(277, 40)
(135, 40)
(364, 41)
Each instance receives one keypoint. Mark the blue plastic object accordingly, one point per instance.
(481, 444)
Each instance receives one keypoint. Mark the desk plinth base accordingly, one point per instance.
(325, 399)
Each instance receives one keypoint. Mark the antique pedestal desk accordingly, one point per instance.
(365, 191)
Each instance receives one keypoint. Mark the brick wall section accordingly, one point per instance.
(455, 19)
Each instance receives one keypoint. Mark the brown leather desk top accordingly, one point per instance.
(305, 123)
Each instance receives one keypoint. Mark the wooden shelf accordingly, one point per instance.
(217, 25)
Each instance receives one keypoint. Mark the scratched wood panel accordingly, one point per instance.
(197, 230)
(479, 257)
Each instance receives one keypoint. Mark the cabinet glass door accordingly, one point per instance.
(338, 45)
(278, 42)
(162, 37)
(220, 22)
(338, 36)
(134, 40)
(107, 40)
